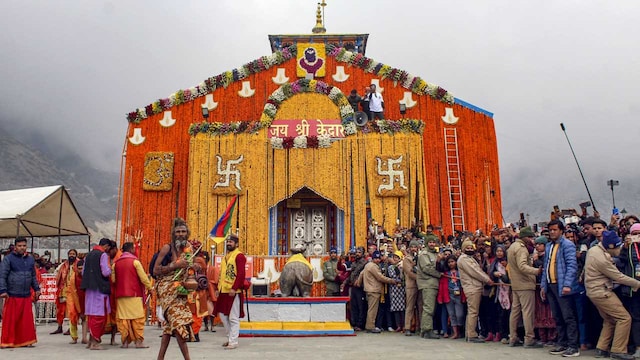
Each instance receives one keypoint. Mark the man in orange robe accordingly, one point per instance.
(212, 292)
(62, 275)
(198, 299)
(70, 276)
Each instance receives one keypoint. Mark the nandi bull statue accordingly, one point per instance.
(296, 278)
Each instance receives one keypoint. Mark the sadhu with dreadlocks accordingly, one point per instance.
(173, 303)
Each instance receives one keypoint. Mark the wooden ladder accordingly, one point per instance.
(454, 179)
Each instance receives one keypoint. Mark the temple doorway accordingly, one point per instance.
(309, 229)
(309, 220)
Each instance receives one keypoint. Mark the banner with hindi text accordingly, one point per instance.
(293, 128)
(48, 288)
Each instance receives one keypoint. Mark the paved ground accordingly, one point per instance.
(362, 346)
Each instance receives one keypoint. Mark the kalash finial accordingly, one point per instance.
(319, 28)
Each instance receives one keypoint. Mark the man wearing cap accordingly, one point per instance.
(330, 273)
(428, 281)
(229, 305)
(523, 286)
(630, 258)
(600, 274)
(409, 264)
(473, 280)
(430, 236)
(373, 280)
(538, 252)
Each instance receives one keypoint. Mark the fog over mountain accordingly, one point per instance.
(31, 159)
(71, 70)
(534, 192)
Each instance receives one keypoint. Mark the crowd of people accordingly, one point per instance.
(571, 286)
(519, 287)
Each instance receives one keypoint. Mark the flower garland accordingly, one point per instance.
(415, 84)
(212, 83)
(320, 141)
(301, 142)
(186, 255)
(408, 81)
(218, 128)
(288, 90)
(392, 127)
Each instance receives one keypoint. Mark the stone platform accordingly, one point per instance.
(296, 316)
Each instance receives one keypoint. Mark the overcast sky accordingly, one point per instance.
(75, 68)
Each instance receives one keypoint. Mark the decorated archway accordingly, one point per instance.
(281, 99)
(309, 220)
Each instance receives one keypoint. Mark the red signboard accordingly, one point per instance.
(293, 128)
(48, 288)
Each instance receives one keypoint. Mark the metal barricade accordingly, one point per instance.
(45, 311)
(46, 304)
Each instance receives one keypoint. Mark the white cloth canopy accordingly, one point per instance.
(39, 212)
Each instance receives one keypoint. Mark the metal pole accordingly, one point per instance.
(613, 197)
(246, 296)
(60, 222)
(579, 169)
(612, 183)
(177, 199)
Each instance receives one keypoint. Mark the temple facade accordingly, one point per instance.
(280, 133)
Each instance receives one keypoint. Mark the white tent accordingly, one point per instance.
(39, 212)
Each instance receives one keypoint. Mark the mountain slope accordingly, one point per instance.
(94, 192)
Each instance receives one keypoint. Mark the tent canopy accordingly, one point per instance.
(39, 212)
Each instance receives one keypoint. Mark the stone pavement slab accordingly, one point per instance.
(363, 346)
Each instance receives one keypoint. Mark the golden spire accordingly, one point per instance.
(319, 28)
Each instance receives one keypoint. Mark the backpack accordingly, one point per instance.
(166, 261)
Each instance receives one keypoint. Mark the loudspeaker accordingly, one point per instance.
(361, 118)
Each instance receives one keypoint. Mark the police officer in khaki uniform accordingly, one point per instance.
(523, 287)
(330, 273)
(373, 282)
(428, 281)
(600, 273)
(409, 267)
(473, 280)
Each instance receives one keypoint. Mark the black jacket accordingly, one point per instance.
(92, 278)
(629, 260)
